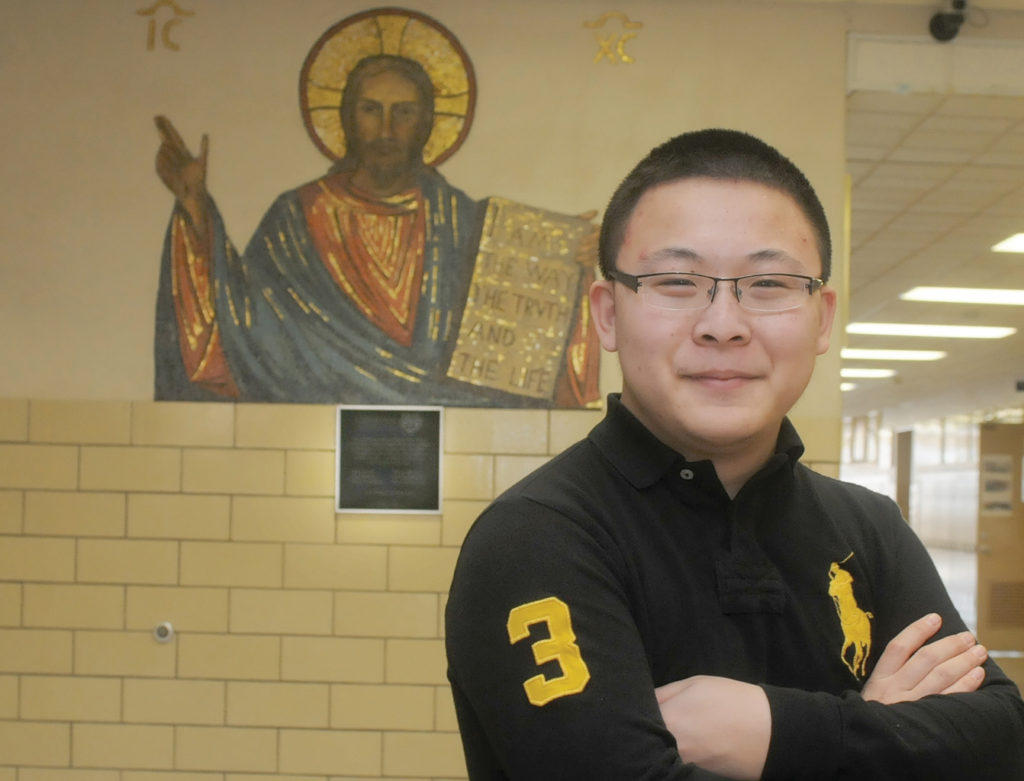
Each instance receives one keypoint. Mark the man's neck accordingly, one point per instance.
(734, 463)
(733, 474)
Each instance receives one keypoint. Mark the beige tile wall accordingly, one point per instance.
(308, 646)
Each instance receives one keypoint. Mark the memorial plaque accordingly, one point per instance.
(522, 299)
(389, 459)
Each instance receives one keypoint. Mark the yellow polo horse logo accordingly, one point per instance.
(855, 623)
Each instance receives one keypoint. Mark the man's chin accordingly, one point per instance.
(725, 425)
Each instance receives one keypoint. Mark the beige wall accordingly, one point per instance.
(309, 644)
(84, 214)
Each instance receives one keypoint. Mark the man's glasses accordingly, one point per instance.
(756, 292)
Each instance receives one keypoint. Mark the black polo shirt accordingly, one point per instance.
(620, 566)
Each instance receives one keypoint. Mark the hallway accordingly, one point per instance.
(959, 571)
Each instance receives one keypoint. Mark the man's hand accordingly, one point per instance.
(183, 174)
(909, 670)
(719, 724)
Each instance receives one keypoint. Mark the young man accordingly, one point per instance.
(677, 596)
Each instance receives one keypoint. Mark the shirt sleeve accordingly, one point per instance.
(548, 671)
(979, 735)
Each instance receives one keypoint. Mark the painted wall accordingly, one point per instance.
(84, 224)
(309, 644)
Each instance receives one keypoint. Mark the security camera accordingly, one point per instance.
(944, 26)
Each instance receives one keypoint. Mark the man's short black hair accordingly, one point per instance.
(712, 154)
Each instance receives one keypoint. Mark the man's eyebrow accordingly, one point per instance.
(671, 253)
(772, 254)
(685, 253)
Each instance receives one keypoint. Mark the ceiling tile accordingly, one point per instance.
(978, 106)
(936, 181)
(894, 103)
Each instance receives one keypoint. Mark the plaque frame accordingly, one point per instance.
(361, 478)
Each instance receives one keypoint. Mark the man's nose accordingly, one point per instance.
(726, 287)
(723, 319)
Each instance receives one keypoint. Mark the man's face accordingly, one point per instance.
(389, 122)
(714, 381)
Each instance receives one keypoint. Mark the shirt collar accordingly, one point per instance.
(643, 458)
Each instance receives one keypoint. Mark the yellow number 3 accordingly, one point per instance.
(559, 647)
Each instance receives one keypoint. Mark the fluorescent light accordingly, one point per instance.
(847, 386)
(856, 354)
(867, 374)
(965, 295)
(1014, 243)
(935, 330)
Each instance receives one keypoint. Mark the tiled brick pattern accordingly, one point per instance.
(309, 645)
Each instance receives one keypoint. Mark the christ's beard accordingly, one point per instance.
(387, 162)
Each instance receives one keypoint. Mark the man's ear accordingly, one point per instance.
(827, 315)
(602, 309)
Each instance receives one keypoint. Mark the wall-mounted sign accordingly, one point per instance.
(996, 484)
(388, 459)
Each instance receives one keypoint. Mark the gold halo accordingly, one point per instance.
(388, 31)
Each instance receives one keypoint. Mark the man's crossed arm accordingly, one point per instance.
(725, 726)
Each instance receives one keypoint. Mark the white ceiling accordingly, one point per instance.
(937, 179)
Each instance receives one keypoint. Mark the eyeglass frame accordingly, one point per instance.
(635, 281)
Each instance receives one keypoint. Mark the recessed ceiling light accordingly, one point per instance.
(935, 330)
(866, 374)
(847, 386)
(853, 353)
(965, 295)
(1014, 243)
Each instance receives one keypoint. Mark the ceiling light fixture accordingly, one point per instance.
(847, 386)
(1014, 243)
(866, 374)
(857, 354)
(932, 330)
(965, 295)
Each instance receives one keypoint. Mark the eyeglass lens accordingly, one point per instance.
(759, 292)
